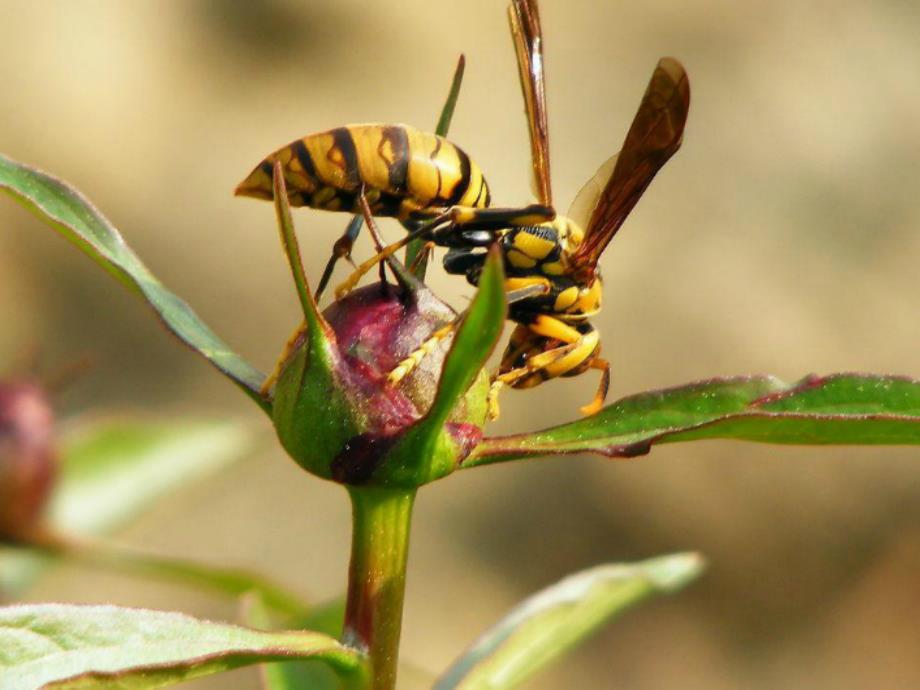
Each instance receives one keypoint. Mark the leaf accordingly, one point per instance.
(299, 675)
(113, 469)
(553, 621)
(74, 216)
(69, 646)
(836, 409)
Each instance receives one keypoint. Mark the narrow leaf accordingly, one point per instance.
(231, 582)
(555, 620)
(850, 409)
(414, 248)
(74, 216)
(447, 111)
(68, 646)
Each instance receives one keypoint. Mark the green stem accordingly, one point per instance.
(377, 577)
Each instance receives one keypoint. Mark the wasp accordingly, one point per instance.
(550, 261)
(559, 256)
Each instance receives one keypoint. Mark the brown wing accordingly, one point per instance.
(528, 46)
(653, 138)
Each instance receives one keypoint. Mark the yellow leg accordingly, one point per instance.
(542, 361)
(577, 350)
(405, 367)
(384, 253)
(285, 355)
(423, 255)
(603, 386)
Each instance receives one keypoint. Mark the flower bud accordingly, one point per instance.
(337, 414)
(28, 463)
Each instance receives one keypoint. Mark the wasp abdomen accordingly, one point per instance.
(404, 172)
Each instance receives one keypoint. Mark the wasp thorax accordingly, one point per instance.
(27, 458)
(339, 410)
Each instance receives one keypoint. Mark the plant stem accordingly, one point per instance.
(377, 577)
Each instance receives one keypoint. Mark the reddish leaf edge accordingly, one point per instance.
(536, 444)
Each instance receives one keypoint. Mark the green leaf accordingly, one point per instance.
(476, 338)
(113, 469)
(74, 216)
(299, 675)
(837, 409)
(553, 621)
(68, 646)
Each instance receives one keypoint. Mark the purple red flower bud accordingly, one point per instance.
(335, 410)
(28, 462)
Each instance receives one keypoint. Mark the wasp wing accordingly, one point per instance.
(528, 46)
(653, 137)
(590, 193)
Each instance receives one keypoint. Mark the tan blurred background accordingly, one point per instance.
(783, 238)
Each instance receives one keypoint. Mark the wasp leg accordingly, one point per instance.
(422, 257)
(538, 363)
(603, 386)
(401, 370)
(289, 347)
(457, 226)
(348, 285)
(500, 218)
(340, 250)
(405, 367)
(578, 352)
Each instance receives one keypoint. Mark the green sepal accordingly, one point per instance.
(428, 451)
(313, 417)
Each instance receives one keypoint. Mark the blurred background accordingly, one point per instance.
(783, 238)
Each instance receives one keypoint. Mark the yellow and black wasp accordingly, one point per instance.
(554, 336)
(395, 170)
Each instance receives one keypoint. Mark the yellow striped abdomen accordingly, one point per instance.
(405, 172)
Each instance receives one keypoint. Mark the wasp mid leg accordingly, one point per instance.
(530, 359)
(340, 250)
(458, 226)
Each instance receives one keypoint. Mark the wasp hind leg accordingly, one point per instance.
(577, 352)
(603, 386)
